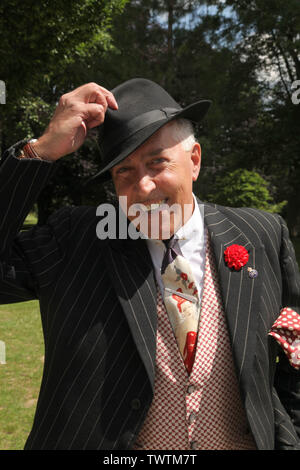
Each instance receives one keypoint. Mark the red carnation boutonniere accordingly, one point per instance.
(236, 256)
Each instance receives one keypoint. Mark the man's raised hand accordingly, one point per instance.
(76, 112)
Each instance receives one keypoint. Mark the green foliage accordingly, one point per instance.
(48, 48)
(267, 34)
(243, 188)
(45, 48)
(243, 55)
(38, 40)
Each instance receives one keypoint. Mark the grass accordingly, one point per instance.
(30, 220)
(20, 377)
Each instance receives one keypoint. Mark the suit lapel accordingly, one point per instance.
(240, 293)
(131, 271)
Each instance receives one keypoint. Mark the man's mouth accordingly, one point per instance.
(152, 206)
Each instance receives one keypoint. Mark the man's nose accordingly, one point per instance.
(145, 184)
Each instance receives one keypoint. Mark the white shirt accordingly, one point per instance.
(192, 242)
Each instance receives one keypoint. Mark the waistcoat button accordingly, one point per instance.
(192, 417)
(135, 404)
(194, 445)
(191, 388)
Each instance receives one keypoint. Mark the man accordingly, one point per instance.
(130, 362)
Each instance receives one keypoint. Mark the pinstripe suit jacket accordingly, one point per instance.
(98, 308)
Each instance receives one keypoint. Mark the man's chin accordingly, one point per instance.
(156, 226)
(159, 223)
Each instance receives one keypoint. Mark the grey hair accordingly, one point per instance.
(183, 131)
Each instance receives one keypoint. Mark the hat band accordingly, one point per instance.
(138, 123)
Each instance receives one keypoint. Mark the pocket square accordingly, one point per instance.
(286, 331)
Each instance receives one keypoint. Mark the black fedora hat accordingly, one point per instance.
(144, 107)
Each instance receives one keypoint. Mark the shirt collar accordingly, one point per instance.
(192, 229)
(194, 226)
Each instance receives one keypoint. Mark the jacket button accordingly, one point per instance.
(135, 404)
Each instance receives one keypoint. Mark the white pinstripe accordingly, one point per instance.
(53, 355)
(238, 308)
(260, 399)
(236, 238)
(134, 315)
(219, 222)
(289, 432)
(66, 267)
(259, 421)
(120, 403)
(124, 395)
(63, 273)
(263, 320)
(15, 295)
(96, 290)
(27, 235)
(67, 290)
(271, 289)
(128, 416)
(16, 187)
(267, 225)
(261, 214)
(272, 306)
(141, 299)
(251, 227)
(247, 331)
(69, 365)
(220, 256)
(97, 393)
(228, 290)
(249, 414)
(270, 269)
(24, 202)
(89, 381)
(7, 182)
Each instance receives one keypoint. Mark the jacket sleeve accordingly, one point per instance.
(22, 252)
(287, 378)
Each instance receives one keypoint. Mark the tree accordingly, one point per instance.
(40, 41)
(241, 54)
(244, 188)
(268, 34)
(48, 48)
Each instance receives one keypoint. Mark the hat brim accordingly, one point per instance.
(194, 112)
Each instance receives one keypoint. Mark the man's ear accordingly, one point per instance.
(196, 159)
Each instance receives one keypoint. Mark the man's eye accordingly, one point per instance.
(122, 170)
(158, 160)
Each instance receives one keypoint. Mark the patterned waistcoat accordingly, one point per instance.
(202, 410)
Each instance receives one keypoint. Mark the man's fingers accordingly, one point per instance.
(93, 114)
(94, 93)
(77, 111)
(92, 124)
(111, 101)
(106, 98)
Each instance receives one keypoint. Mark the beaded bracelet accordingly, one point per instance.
(29, 152)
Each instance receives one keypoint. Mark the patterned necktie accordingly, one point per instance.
(181, 300)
